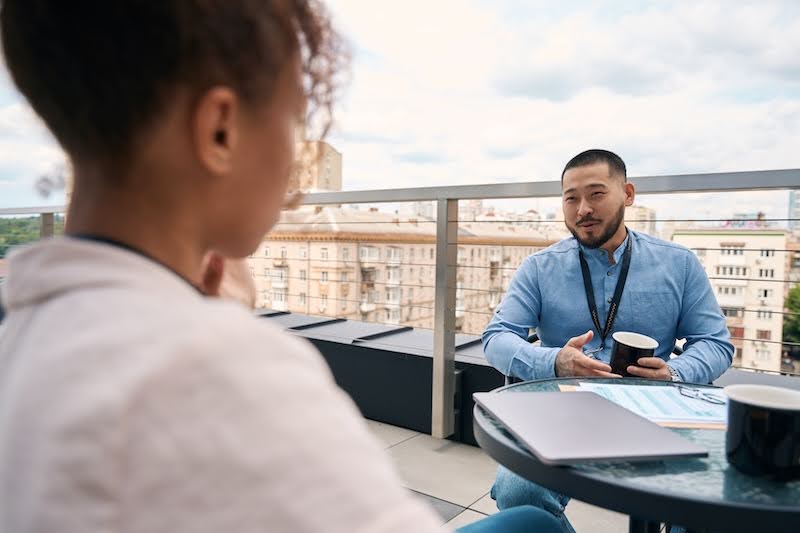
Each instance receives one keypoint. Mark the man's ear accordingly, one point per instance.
(630, 193)
(216, 129)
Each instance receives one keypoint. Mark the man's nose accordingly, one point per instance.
(584, 209)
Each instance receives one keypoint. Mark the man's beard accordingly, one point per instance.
(600, 240)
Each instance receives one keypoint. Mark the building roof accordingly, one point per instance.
(345, 224)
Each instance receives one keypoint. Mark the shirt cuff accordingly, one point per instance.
(544, 362)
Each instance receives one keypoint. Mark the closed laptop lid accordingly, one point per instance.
(562, 428)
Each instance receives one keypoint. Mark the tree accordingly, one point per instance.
(791, 322)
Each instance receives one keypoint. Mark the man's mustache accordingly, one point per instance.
(586, 220)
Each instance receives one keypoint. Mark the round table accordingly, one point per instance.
(702, 494)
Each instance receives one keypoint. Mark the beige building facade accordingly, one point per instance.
(748, 269)
(379, 267)
(318, 167)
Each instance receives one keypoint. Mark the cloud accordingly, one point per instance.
(422, 158)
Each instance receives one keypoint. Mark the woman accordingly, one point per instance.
(129, 400)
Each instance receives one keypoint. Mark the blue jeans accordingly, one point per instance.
(511, 490)
(525, 519)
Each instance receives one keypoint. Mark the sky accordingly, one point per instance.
(452, 92)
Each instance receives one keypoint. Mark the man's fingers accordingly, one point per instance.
(579, 341)
(644, 372)
(651, 362)
(602, 374)
(594, 364)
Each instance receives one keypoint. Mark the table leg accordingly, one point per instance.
(638, 525)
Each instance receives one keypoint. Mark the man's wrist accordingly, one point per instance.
(673, 373)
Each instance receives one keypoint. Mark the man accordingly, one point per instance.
(665, 295)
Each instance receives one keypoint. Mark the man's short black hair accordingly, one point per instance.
(99, 72)
(616, 165)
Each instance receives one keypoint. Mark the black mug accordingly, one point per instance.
(628, 348)
(763, 436)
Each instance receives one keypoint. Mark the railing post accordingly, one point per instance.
(444, 321)
(47, 225)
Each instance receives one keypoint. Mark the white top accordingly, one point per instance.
(131, 403)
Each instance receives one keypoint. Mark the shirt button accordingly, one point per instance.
(609, 272)
(610, 300)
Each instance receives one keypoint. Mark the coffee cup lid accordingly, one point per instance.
(637, 340)
(765, 396)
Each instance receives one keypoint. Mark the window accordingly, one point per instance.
(735, 312)
(266, 251)
(303, 253)
(302, 298)
(763, 334)
(266, 272)
(764, 315)
(732, 249)
(768, 253)
(323, 301)
(765, 293)
(411, 254)
(737, 332)
(324, 276)
(343, 277)
(303, 275)
(266, 295)
(323, 253)
(394, 254)
(279, 296)
(762, 355)
(369, 253)
(766, 272)
(430, 253)
(283, 252)
(346, 254)
(410, 295)
(739, 353)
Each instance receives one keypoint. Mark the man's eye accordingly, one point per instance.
(598, 193)
(569, 198)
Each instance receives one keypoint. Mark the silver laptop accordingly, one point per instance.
(562, 428)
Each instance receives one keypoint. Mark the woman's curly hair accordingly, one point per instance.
(99, 72)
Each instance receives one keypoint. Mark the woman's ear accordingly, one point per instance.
(216, 129)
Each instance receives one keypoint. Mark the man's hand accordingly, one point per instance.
(571, 361)
(651, 368)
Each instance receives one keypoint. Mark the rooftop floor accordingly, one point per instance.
(455, 479)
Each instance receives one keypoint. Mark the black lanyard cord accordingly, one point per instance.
(612, 311)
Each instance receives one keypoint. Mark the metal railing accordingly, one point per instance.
(447, 240)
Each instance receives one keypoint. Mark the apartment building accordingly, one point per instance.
(380, 267)
(748, 269)
(641, 218)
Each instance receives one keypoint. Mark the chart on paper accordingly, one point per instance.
(665, 405)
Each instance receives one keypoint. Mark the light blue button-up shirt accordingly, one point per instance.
(667, 296)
